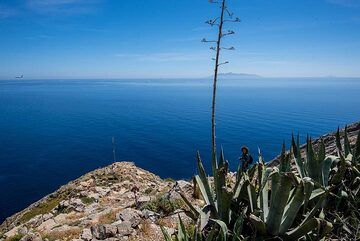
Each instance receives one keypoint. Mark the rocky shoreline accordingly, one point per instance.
(117, 202)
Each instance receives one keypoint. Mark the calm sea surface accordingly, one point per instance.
(53, 131)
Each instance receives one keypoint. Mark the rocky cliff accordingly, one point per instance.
(117, 202)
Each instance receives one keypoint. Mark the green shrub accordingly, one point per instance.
(16, 237)
(87, 200)
(42, 208)
(169, 179)
(163, 205)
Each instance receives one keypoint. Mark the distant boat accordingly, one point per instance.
(19, 77)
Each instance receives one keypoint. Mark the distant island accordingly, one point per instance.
(231, 75)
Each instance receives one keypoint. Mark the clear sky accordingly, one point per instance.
(161, 38)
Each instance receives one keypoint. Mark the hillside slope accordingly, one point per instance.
(117, 202)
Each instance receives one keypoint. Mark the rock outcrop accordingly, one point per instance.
(118, 202)
(114, 203)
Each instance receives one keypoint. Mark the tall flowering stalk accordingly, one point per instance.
(225, 16)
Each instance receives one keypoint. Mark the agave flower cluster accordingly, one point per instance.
(317, 199)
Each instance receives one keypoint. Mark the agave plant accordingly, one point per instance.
(221, 217)
(182, 234)
(228, 210)
(344, 205)
(315, 165)
(279, 216)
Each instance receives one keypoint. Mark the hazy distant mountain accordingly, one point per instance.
(231, 75)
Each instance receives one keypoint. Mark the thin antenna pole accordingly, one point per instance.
(114, 148)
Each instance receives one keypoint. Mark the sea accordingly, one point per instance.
(53, 131)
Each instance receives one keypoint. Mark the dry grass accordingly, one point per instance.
(62, 235)
(107, 218)
(145, 228)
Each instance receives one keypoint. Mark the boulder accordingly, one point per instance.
(47, 225)
(124, 229)
(130, 215)
(23, 230)
(142, 200)
(86, 234)
(12, 232)
(147, 214)
(103, 231)
(35, 221)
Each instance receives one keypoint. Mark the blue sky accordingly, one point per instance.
(161, 38)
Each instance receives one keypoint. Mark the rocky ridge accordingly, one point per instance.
(115, 203)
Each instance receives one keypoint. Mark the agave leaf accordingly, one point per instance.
(326, 168)
(325, 228)
(297, 154)
(221, 172)
(313, 164)
(211, 236)
(224, 202)
(239, 187)
(182, 233)
(258, 224)
(315, 209)
(204, 184)
(238, 227)
(281, 187)
(223, 228)
(284, 160)
(252, 197)
(203, 190)
(292, 209)
(317, 193)
(194, 211)
(301, 230)
(166, 234)
(261, 158)
(308, 189)
(204, 217)
(347, 147)
(321, 152)
(338, 140)
(251, 172)
(264, 194)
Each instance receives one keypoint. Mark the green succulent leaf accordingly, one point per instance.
(166, 234)
(281, 187)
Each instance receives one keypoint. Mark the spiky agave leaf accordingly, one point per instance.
(223, 229)
(259, 225)
(292, 209)
(166, 234)
(284, 160)
(238, 227)
(203, 182)
(308, 189)
(182, 233)
(281, 187)
(297, 154)
(326, 168)
(347, 147)
(307, 227)
(338, 141)
(313, 162)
